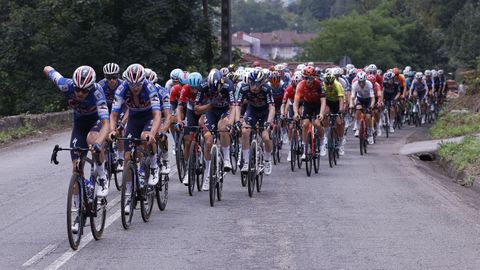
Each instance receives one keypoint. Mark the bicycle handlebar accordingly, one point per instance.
(57, 149)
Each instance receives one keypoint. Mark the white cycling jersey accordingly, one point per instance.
(362, 92)
(169, 84)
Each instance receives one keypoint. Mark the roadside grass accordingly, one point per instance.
(16, 133)
(455, 124)
(464, 156)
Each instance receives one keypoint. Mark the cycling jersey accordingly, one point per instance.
(259, 100)
(409, 81)
(164, 96)
(109, 92)
(335, 92)
(148, 99)
(400, 80)
(344, 83)
(218, 99)
(277, 93)
(169, 85)
(365, 92)
(94, 104)
(310, 94)
(390, 90)
(379, 80)
(419, 86)
(175, 92)
(436, 83)
(187, 97)
(289, 94)
(429, 82)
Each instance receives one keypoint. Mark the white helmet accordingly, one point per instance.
(349, 67)
(337, 71)
(297, 76)
(408, 69)
(135, 74)
(440, 72)
(428, 72)
(111, 69)
(176, 74)
(371, 68)
(434, 73)
(151, 75)
(418, 75)
(84, 77)
(362, 76)
(301, 67)
(310, 64)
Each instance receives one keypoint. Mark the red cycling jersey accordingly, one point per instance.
(289, 94)
(187, 95)
(175, 93)
(309, 94)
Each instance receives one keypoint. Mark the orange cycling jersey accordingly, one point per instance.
(309, 94)
(401, 80)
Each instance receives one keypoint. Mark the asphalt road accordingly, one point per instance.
(379, 211)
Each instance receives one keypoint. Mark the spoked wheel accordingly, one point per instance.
(316, 154)
(299, 152)
(179, 158)
(213, 176)
(192, 169)
(147, 204)
(308, 154)
(331, 149)
(252, 170)
(128, 198)
(200, 168)
(293, 153)
(97, 221)
(386, 125)
(75, 211)
(361, 137)
(161, 190)
(234, 155)
(219, 185)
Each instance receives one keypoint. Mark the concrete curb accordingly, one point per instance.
(428, 146)
(36, 120)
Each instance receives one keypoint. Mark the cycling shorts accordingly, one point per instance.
(365, 102)
(310, 110)
(81, 127)
(213, 116)
(256, 115)
(334, 106)
(137, 124)
(191, 120)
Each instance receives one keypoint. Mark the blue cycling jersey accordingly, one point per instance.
(218, 99)
(109, 92)
(148, 99)
(94, 103)
(259, 100)
(164, 96)
(419, 86)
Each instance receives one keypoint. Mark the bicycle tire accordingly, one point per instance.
(308, 154)
(219, 184)
(252, 170)
(75, 184)
(331, 147)
(147, 204)
(213, 175)
(293, 152)
(179, 159)
(316, 153)
(234, 154)
(361, 134)
(192, 168)
(128, 177)
(161, 191)
(97, 221)
(299, 151)
(200, 166)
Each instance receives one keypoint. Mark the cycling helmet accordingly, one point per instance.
(175, 74)
(135, 74)
(408, 68)
(194, 79)
(236, 76)
(362, 76)
(418, 75)
(84, 77)
(151, 75)
(349, 66)
(329, 78)
(275, 77)
(232, 67)
(337, 71)
(257, 77)
(310, 64)
(318, 71)
(411, 73)
(379, 72)
(245, 76)
(309, 71)
(388, 76)
(297, 77)
(428, 72)
(300, 67)
(371, 78)
(147, 72)
(351, 71)
(372, 68)
(184, 78)
(224, 71)
(440, 72)
(111, 69)
(215, 79)
(124, 75)
(434, 73)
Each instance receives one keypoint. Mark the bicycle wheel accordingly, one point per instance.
(331, 148)
(308, 154)
(361, 136)
(234, 154)
(299, 151)
(252, 168)
(259, 176)
(97, 220)
(75, 210)
(213, 175)
(192, 168)
(316, 154)
(200, 166)
(386, 124)
(278, 146)
(221, 174)
(128, 197)
(293, 152)
(161, 191)
(179, 157)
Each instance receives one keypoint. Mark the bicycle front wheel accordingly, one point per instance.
(192, 169)
(75, 211)
(308, 154)
(161, 190)
(97, 221)
(213, 176)
(316, 154)
(361, 136)
(293, 153)
(127, 198)
(252, 168)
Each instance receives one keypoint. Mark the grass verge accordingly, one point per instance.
(464, 157)
(16, 133)
(455, 124)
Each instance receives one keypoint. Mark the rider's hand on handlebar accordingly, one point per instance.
(95, 148)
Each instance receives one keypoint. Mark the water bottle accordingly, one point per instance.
(89, 187)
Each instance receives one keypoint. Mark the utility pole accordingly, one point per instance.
(226, 35)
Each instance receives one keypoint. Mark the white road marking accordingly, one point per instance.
(40, 255)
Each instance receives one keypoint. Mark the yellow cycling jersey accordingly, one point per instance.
(335, 92)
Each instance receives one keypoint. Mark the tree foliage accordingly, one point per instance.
(161, 34)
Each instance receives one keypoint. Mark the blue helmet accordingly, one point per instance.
(184, 78)
(175, 74)
(215, 79)
(194, 79)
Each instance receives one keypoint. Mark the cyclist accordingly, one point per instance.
(215, 99)
(363, 96)
(144, 105)
(419, 90)
(286, 111)
(278, 86)
(335, 96)
(90, 116)
(377, 90)
(392, 91)
(310, 91)
(260, 109)
(109, 84)
(175, 75)
(187, 104)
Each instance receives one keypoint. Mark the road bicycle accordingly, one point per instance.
(82, 200)
(196, 162)
(312, 148)
(332, 140)
(296, 149)
(217, 172)
(254, 175)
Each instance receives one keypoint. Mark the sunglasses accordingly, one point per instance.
(135, 85)
(83, 90)
(114, 77)
(309, 78)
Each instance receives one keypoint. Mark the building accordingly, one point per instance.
(276, 45)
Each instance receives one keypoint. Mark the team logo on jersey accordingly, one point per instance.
(98, 95)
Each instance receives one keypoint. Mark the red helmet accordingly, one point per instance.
(371, 78)
(309, 72)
